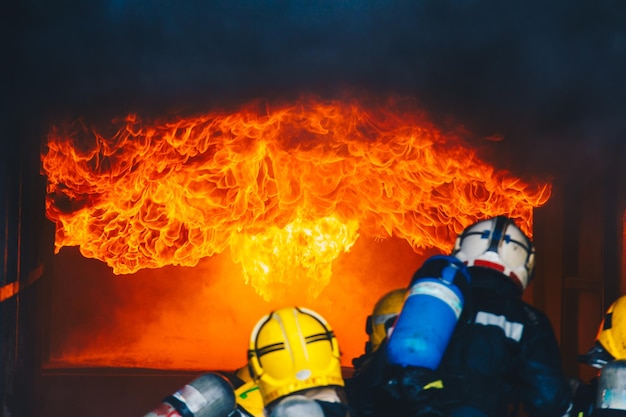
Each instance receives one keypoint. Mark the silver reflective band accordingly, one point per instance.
(190, 396)
(512, 330)
(441, 291)
(382, 318)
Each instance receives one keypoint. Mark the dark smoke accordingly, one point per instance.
(547, 76)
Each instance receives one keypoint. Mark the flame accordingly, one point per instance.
(286, 188)
(299, 252)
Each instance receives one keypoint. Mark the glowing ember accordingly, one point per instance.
(286, 189)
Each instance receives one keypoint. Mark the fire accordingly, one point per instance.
(299, 252)
(285, 188)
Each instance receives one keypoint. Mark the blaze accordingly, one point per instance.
(284, 188)
(311, 201)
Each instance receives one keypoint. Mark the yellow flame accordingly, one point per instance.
(302, 251)
(285, 188)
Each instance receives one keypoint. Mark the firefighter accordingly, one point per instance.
(379, 323)
(294, 359)
(503, 353)
(608, 348)
(507, 355)
(390, 376)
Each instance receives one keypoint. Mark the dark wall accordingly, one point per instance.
(579, 235)
(23, 248)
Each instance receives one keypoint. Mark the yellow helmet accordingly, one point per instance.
(243, 373)
(293, 349)
(612, 332)
(386, 308)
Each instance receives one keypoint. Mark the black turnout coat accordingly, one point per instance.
(502, 355)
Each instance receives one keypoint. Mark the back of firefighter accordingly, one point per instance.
(503, 353)
(379, 323)
(294, 358)
(384, 385)
(507, 356)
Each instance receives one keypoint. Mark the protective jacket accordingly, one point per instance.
(503, 354)
(507, 354)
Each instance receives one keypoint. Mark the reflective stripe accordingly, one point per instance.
(382, 318)
(191, 397)
(439, 290)
(438, 384)
(511, 329)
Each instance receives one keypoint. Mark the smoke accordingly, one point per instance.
(526, 70)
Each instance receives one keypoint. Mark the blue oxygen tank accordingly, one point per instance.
(429, 314)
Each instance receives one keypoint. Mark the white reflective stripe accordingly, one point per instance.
(512, 330)
(190, 396)
(441, 291)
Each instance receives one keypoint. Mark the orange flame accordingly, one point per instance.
(286, 189)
